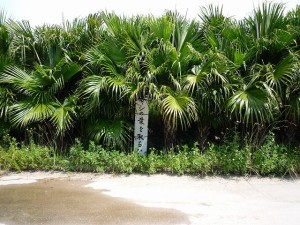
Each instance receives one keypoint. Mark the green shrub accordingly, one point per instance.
(271, 160)
(227, 159)
(85, 161)
(32, 157)
(233, 161)
(200, 163)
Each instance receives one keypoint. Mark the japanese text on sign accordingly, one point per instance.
(141, 126)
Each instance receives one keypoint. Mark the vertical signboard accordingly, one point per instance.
(141, 126)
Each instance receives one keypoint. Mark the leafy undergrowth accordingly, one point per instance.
(227, 159)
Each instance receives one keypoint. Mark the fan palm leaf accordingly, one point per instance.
(7, 99)
(178, 109)
(281, 74)
(36, 100)
(211, 15)
(266, 19)
(5, 38)
(111, 133)
(253, 103)
(63, 115)
(26, 112)
(211, 68)
(161, 29)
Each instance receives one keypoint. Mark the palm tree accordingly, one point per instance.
(168, 59)
(292, 110)
(6, 59)
(292, 19)
(204, 76)
(211, 77)
(261, 96)
(39, 95)
(209, 84)
(103, 90)
(138, 58)
(5, 41)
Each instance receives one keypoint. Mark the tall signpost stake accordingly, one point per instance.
(141, 126)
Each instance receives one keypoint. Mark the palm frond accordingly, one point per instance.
(252, 104)
(266, 19)
(161, 28)
(111, 133)
(178, 110)
(292, 110)
(116, 86)
(210, 70)
(136, 37)
(282, 73)
(109, 56)
(26, 112)
(211, 17)
(90, 90)
(63, 115)
(16, 77)
(113, 24)
(5, 38)
(7, 99)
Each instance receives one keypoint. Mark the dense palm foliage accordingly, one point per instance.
(204, 79)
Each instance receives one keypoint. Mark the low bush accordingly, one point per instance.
(227, 159)
(20, 157)
(274, 159)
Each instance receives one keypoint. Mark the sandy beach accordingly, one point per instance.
(186, 199)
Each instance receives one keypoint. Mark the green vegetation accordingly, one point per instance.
(232, 87)
(227, 159)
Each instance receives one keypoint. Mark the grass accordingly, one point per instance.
(227, 159)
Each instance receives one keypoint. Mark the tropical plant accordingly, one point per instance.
(38, 95)
(103, 90)
(169, 58)
(202, 78)
(5, 41)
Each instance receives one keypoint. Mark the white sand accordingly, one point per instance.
(210, 200)
(27, 177)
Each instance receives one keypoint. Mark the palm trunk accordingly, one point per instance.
(203, 132)
(170, 138)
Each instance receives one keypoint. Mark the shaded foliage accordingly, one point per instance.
(203, 78)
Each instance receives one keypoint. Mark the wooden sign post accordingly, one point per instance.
(141, 126)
